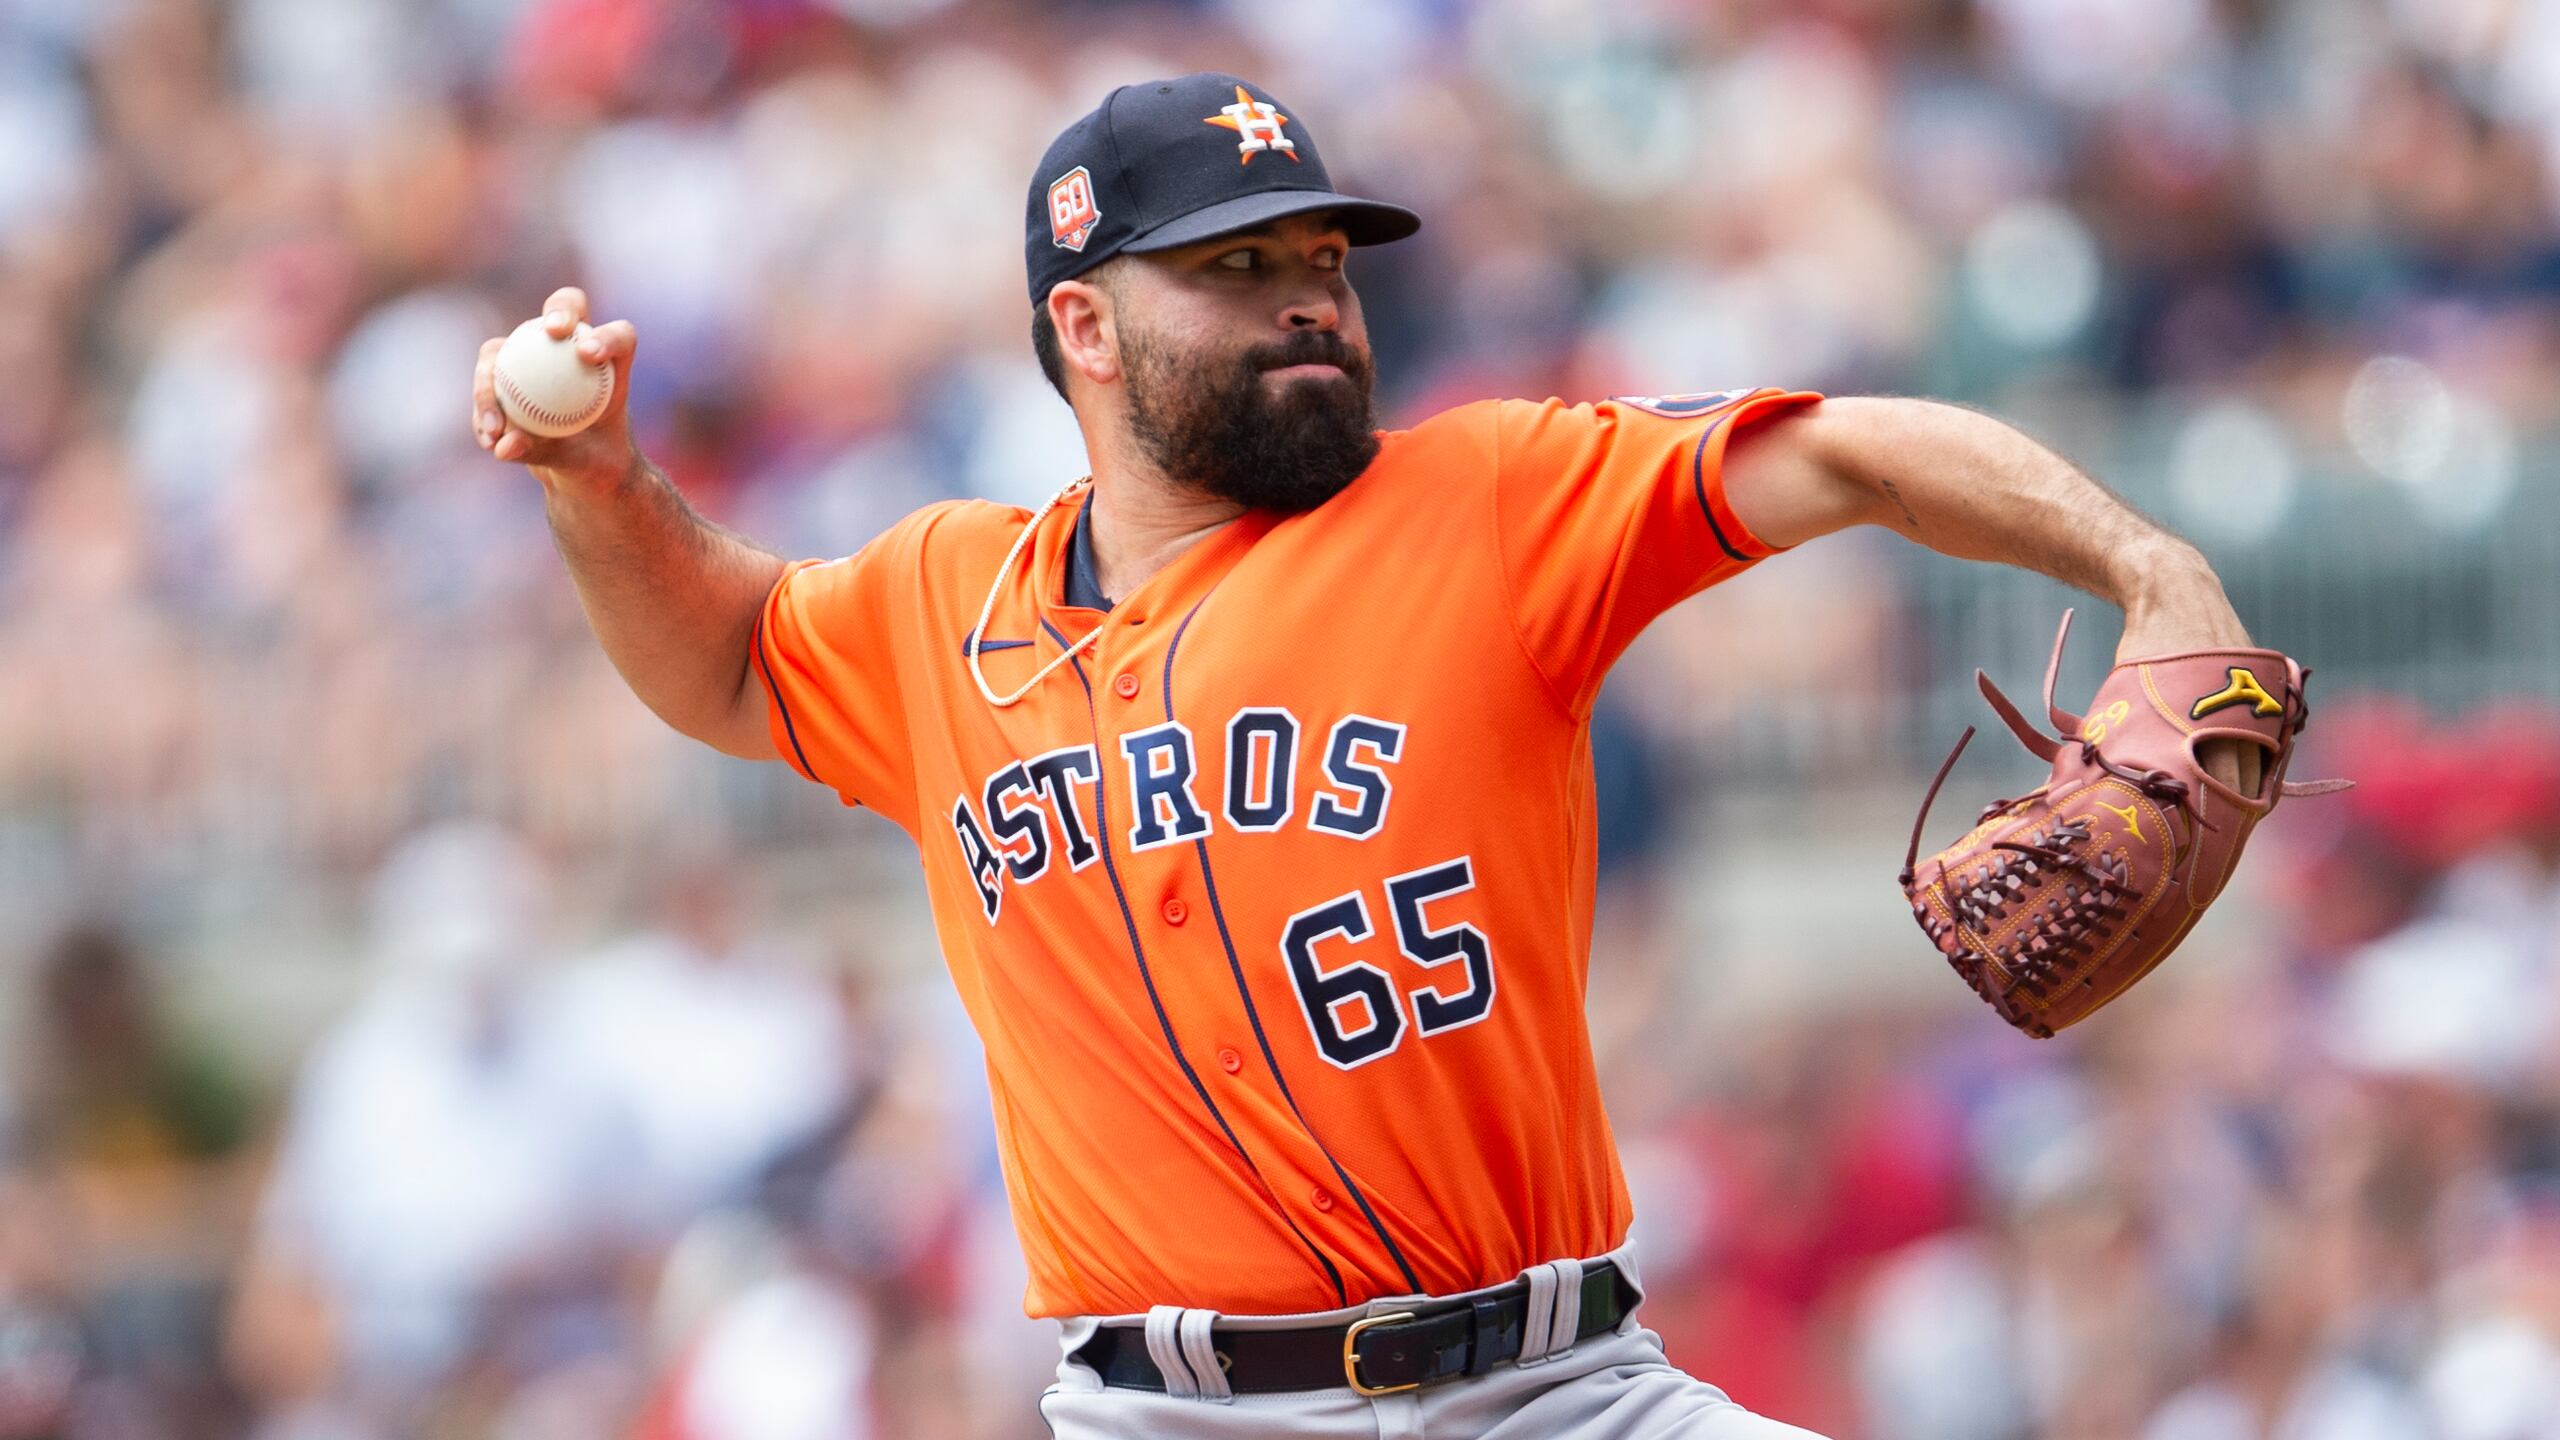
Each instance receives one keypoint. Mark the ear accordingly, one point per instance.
(1088, 335)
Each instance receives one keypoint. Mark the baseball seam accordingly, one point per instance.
(544, 413)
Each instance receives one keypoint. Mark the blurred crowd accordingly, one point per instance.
(2304, 1185)
(406, 1035)
(688, 1183)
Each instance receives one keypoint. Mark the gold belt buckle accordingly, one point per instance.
(1351, 1355)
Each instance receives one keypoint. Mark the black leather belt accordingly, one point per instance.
(1375, 1355)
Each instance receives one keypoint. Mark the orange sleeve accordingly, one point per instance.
(1609, 514)
(826, 649)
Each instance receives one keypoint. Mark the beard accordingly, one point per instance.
(1216, 424)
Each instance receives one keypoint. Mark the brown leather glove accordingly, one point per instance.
(2059, 900)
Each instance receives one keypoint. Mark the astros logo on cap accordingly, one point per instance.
(1259, 124)
(1072, 213)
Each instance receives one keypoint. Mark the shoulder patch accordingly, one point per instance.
(1681, 407)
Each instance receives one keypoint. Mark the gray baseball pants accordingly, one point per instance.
(1615, 1385)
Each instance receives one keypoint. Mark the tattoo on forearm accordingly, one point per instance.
(1894, 494)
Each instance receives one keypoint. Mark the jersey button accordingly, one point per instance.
(1127, 685)
(1175, 912)
(1229, 1060)
(1324, 1199)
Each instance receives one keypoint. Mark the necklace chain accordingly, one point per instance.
(978, 634)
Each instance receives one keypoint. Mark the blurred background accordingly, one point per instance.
(402, 1034)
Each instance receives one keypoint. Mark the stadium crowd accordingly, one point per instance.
(405, 1035)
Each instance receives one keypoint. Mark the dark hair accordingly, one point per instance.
(1044, 344)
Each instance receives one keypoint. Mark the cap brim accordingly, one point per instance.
(1366, 222)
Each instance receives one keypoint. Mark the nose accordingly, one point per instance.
(1313, 307)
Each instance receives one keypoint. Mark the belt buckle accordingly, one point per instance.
(1351, 1355)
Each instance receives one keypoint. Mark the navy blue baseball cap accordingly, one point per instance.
(1174, 162)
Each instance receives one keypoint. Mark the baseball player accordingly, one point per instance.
(1252, 788)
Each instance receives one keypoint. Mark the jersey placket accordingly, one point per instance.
(1177, 876)
(1321, 1182)
(1167, 894)
(1122, 675)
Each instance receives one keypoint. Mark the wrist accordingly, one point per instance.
(2173, 601)
(603, 479)
(2169, 574)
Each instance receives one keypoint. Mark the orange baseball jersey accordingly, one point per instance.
(1273, 906)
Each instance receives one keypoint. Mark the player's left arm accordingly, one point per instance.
(1967, 485)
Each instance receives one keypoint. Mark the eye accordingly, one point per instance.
(1240, 260)
(1329, 259)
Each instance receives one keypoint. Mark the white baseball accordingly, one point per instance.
(544, 387)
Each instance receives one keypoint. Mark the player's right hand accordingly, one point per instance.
(599, 455)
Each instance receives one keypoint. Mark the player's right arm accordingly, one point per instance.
(673, 598)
